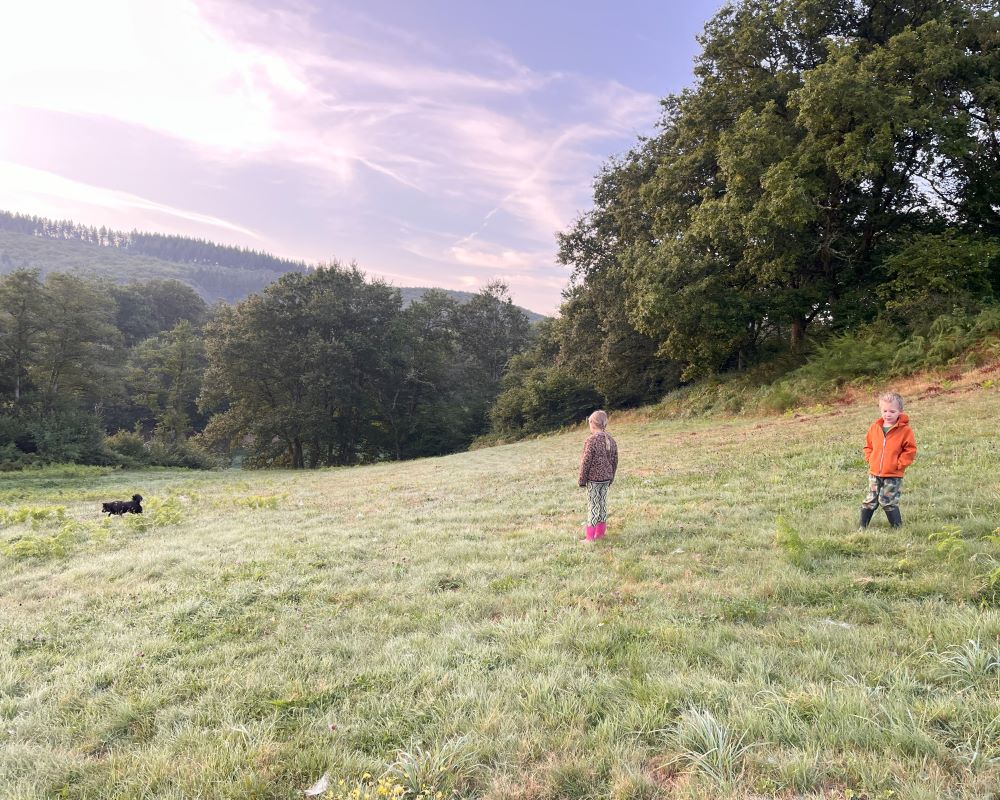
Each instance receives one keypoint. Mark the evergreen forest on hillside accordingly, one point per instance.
(155, 245)
(216, 272)
(821, 206)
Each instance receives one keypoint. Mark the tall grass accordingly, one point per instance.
(437, 627)
(870, 355)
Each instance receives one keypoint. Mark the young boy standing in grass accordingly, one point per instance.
(889, 449)
(598, 465)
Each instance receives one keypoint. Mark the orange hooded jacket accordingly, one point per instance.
(889, 454)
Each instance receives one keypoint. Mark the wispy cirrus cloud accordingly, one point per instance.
(34, 191)
(493, 257)
(158, 66)
(374, 118)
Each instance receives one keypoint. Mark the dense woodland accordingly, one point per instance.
(831, 179)
(215, 272)
(823, 201)
(321, 368)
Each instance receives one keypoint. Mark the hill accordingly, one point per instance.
(216, 272)
(734, 637)
(411, 293)
(213, 282)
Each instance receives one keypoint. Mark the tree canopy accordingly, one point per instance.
(834, 162)
(327, 369)
(320, 368)
(819, 139)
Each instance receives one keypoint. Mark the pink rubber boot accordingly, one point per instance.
(601, 527)
(591, 533)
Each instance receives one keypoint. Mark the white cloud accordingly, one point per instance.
(242, 84)
(34, 191)
(357, 112)
(493, 258)
(156, 65)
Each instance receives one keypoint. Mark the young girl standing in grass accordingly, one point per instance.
(597, 472)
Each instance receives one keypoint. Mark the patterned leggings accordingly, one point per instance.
(883, 492)
(597, 501)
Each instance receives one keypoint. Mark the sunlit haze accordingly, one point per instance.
(433, 143)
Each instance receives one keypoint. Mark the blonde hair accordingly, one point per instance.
(599, 418)
(892, 397)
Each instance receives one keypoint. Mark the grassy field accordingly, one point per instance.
(438, 627)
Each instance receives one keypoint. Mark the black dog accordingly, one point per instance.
(120, 507)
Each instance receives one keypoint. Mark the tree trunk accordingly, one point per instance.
(798, 334)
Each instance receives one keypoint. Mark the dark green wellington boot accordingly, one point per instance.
(895, 518)
(866, 517)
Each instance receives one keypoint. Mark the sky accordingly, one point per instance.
(431, 142)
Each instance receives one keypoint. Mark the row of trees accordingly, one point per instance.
(327, 368)
(834, 163)
(320, 368)
(156, 245)
(79, 356)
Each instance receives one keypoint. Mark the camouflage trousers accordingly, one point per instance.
(883, 492)
(597, 501)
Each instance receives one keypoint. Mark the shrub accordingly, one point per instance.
(947, 338)
(877, 352)
(41, 546)
(181, 454)
(986, 323)
(12, 458)
(156, 514)
(779, 398)
(937, 271)
(546, 398)
(16, 438)
(731, 395)
(63, 436)
(866, 353)
(127, 447)
(69, 436)
(15, 516)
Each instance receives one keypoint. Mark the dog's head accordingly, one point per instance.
(137, 498)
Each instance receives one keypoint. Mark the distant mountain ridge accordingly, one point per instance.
(182, 249)
(217, 272)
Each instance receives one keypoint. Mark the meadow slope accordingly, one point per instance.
(734, 636)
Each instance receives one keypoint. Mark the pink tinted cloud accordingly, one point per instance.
(240, 85)
(34, 191)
